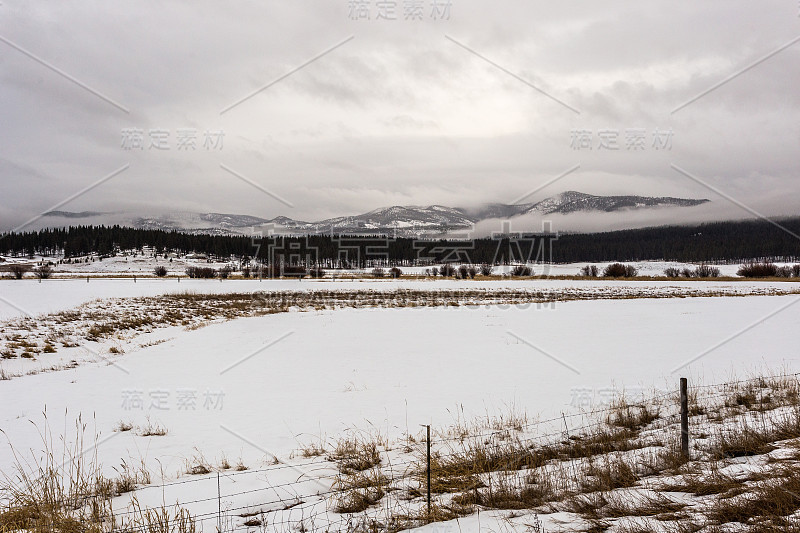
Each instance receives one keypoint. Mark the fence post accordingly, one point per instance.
(429, 470)
(684, 419)
(219, 506)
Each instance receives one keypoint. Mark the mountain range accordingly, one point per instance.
(397, 220)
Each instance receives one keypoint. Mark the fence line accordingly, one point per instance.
(411, 468)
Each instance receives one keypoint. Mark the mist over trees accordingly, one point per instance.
(716, 242)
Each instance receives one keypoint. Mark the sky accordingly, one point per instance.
(313, 109)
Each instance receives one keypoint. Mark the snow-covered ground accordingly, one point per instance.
(252, 388)
(143, 265)
(123, 264)
(29, 297)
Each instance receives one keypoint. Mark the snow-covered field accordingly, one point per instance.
(337, 369)
(29, 297)
(253, 388)
(143, 265)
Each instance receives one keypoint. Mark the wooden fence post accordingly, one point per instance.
(684, 419)
(429, 471)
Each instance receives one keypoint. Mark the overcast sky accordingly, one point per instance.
(478, 104)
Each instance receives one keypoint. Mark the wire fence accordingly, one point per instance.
(315, 500)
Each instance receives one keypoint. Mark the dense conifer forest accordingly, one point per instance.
(710, 242)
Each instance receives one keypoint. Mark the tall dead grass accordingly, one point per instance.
(58, 488)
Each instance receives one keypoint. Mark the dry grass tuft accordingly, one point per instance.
(197, 464)
(152, 429)
(359, 490)
(421, 517)
(355, 455)
(706, 483)
(772, 502)
(57, 489)
(631, 417)
(130, 477)
(612, 473)
(123, 426)
(159, 520)
(312, 450)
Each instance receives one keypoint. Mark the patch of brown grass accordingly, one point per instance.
(355, 455)
(773, 500)
(359, 490)
(611, 473)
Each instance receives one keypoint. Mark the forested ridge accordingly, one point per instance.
(709, 242)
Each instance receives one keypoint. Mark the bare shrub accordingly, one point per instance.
(486, 269)
(201, 272)
(589, 271)
(19, 271)
(758, 270)
(395, 272)
(619, 270)
(672, 272)
(378, 273)
(43, 272)
(522, 271)
(615, 270)
(447, 270)
(160, 271)
(706, 271)
(291, 271)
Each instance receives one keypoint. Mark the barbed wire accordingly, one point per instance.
(507, 440)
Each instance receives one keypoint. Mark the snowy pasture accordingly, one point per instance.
(260, 388)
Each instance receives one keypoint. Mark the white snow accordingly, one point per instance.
(252, 388)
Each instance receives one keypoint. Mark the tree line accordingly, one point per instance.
(715, 242)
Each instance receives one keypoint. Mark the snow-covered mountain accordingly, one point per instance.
(572, 201)
(215, 223)
(396, 220)
(403, 219)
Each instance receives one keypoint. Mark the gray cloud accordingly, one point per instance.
(400, 114)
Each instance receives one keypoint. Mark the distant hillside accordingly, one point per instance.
(718, 241)
(69, 214)
(400, 221)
